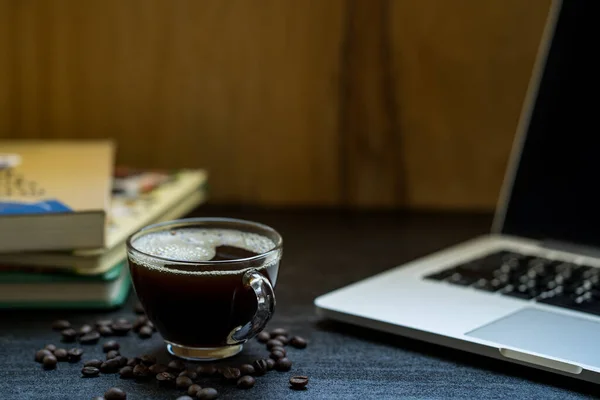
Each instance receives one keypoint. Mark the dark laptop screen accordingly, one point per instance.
(556, 191)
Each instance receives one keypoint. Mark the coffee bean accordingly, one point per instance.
(263, 337)
(112, 354)
(140, 321)
(49, 362)
(121, 328)
(148, 359)
(190, 374)
(50, 347)
(298, 382)
(90, 372)
(282, 339)
(68, 335)
(276, 355)
(283, 364)
(165, 378)
(60, 354)
(260, 367)
(122, 360)
(230, 373)
(132, 362)
(246, 369)
(40, 354)
(150, 324)
(74, 354)
(145, 332)
(158, 368)
(278, 348)
(126, 372)
(206, 370)
(61, 325)
(270, 364)
(121, 320)
(193, 390)
(110, 366)
(93, 363)
(115, 394)
(279, 332)
(298, 342)
(183, 382)
(110, 345)
(103, 322)
(176, 365)
(184, 398)
(84, 330)
(273, 343)
(90, 338)
(207, 394)
(105, 331)
(138, 308)
(246, 382)
(140, 371)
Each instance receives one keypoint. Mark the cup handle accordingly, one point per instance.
(265, 300)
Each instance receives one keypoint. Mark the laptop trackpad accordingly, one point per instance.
(552, 334)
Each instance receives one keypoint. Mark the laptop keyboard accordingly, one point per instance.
(558, 283)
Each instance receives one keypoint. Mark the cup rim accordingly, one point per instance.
(195, 220)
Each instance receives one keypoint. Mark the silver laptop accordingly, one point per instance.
(528, 292)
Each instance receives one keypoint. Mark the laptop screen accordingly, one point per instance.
(556, 188)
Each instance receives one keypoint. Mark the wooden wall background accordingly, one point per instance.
(375, 103)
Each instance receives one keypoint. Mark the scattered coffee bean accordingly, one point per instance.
(298, 382)
(260, 367)
(93, 363)
(230, 373)
(151, 325)
(282, 339)
(132, 362)
(60, 354)
(274, 343)
(298, 342)
(145, 332)
(126, 372)
(50, 347)
(90, 372)
(85, 329)
(283, 364)
(40, 354)
(206, 370)
(61, 325)
(90, 338)
(138, 308)
(276, 355)
(103, 322)
(270, 364)
(278, 348)
(176, 365)
(112, 354)
(115, 394)
(140, 321)
(246, 369)
(122, 360)
(158, 368)
(68, 335)
(121, 320)
(105, 331)
(49, 362)
(207, 394)
(263, 337)
(110, 366)
(74, 354)
(183, 382)
(140, 371)
(121, 328)
(184, 398)
(246, 382)
(110, 345)
(148, 359)
(279, 332)
(165, 378)
(190, 374)
(193, 390)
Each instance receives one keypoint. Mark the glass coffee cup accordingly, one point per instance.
(206, 283)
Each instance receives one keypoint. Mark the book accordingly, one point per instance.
(54, 194)
(173, 195)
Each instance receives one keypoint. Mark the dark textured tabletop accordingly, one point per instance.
(323, 250)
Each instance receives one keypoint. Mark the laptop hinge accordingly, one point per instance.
(583, 250)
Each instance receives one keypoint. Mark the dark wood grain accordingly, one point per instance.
(324, 250)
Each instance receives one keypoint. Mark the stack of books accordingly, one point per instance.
(65, 214)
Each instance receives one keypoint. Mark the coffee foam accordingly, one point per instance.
(193, 245)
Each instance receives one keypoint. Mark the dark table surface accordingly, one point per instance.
(324, 250)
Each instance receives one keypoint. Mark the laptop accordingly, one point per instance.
(529, 291)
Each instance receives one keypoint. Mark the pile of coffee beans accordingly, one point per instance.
(175, 374)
